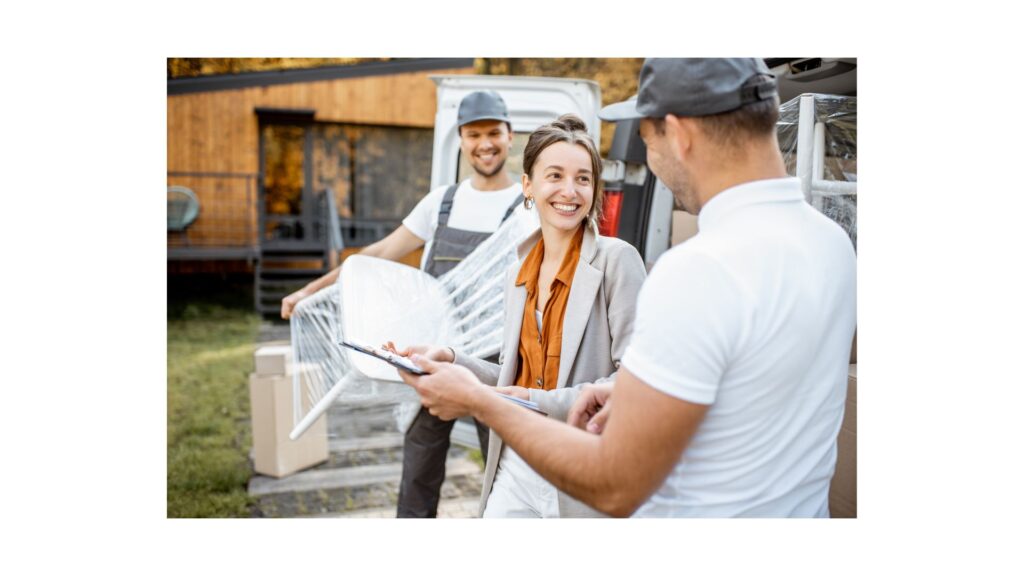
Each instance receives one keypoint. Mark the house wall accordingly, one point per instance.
(217, 132)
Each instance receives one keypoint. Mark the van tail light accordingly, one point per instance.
(610, 212)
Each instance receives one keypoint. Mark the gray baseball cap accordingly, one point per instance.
(482, 105)
(694, 87)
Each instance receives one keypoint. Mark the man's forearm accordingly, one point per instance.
(394, 246)
(378, 249)
(614, 472)
(576, 462)
(322, 282)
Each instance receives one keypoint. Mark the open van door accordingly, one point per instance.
(640, 209)
(637, 206)
(532, 102)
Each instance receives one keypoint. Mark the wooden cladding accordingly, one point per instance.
(217, 131)
(213, 145)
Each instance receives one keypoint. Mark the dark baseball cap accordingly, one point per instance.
(694, 87)
(482, 105)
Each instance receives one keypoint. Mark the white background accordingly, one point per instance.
(83, 153)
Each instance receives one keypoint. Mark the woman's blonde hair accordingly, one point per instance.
(571, 129)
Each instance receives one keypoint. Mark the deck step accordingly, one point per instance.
(289, 272)
(276, 277)
(269, 284)
(291, 256)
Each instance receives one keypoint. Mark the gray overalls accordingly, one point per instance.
(452, 245)
(428, 437)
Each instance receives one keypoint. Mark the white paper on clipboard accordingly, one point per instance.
(529, 404)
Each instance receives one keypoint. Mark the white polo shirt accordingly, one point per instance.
(753, 316)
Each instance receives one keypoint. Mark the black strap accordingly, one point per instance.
(763, 89)
(446, 205)
(512, 208)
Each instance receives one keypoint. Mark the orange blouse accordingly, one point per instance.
(539, 351)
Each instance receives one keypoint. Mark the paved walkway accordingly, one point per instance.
(362, 474)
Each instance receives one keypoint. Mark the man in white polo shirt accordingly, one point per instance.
(731, 393)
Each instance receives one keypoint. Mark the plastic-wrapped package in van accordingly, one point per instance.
(832, 133)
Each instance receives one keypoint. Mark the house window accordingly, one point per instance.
(390, 170)
(283, 179)
(377, 174)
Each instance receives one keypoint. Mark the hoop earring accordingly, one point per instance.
(529, 202)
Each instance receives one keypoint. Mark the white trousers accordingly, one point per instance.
(519, 492)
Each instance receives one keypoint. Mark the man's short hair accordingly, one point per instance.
(731, 129)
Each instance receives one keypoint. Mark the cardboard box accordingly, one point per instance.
(274, 454)
(842, 495)
(273, 360)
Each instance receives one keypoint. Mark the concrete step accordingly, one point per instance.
(383, 448)
(360, 422)
(454, 508)
(381, 499)
(362, 475)
(379, 442)
(352, 452)
(363, 490)
(347, 477)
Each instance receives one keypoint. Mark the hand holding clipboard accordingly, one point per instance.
(388, 354)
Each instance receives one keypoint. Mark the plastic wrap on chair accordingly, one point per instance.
(377, 300)
(385, 300)
(838, 116)
(476, 287)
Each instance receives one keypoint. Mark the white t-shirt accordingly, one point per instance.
(472, 210)
(753, 316)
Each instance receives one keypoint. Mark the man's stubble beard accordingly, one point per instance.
(496, 170)
(678, 182)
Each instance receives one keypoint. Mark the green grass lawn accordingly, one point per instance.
(209, 358)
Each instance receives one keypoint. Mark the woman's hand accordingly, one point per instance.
(517, 391)
(435, 353)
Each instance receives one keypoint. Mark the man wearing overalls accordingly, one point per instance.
(449, 222)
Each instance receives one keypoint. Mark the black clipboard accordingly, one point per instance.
(400, 362)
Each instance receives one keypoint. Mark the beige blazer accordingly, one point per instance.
(597, 326)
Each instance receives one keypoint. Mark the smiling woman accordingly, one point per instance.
(571, 331)
(569, 310)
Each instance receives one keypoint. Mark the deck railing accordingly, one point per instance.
(226, 227)
(229, 220)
